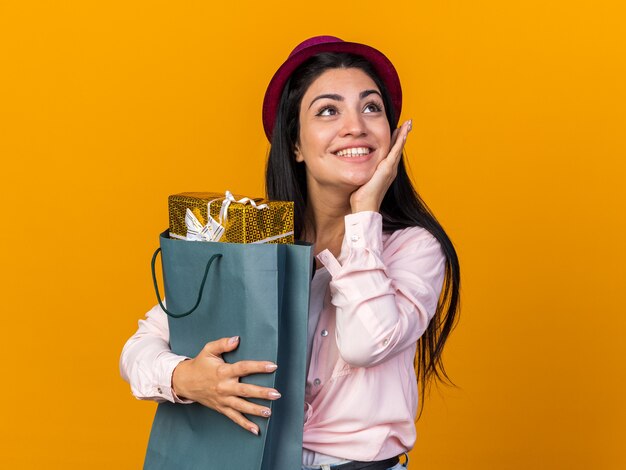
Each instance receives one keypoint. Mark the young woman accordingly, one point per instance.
(386, 288)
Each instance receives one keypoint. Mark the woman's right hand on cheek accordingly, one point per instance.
(208, 380)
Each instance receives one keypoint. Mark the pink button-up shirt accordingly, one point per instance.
(361, 392)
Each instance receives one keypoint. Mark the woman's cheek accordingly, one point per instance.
(384, 151)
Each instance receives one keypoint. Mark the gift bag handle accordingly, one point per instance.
(156, 286)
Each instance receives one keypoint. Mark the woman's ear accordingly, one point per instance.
(298, 154)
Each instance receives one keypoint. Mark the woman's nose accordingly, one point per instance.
(353, 124)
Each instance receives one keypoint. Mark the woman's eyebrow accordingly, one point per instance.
(366, 93)
(336, 97)
(329, 96)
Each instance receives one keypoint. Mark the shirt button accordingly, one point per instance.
(317, 381)
(324, 333)
(355, 238)
(386, 342)
(159, 390)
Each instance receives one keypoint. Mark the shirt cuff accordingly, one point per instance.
(363, 230)
(164, 389)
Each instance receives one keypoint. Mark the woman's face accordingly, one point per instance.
(344, 132)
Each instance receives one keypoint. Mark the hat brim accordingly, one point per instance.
(382, 65)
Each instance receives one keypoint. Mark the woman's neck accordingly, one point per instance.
(325, 218)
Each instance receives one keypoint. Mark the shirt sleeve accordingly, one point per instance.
(147, 362)
(384, 298)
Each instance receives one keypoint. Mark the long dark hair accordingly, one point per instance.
(401, 207)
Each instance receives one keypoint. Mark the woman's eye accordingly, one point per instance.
(327, 111)
(372, 108)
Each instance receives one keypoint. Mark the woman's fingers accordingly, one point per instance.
(231, 385)
(394, 137)
(395, 154)
(234, 388)
(387, 168)
(249, 408)
(219, 346)
(369, 196)
(243, 368)
(235, 408)
(400, 139)
(255, 391)
(218, 385)
(240, 419)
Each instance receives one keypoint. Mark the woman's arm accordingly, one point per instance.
(384, 299)
(147, 362)
(155, 372)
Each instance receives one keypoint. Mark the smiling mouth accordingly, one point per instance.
(354, 152)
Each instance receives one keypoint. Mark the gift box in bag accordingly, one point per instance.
(206, 216)
(259, 292)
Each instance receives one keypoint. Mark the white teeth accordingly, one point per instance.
(353, 152)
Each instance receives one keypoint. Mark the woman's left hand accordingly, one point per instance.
(370, 196)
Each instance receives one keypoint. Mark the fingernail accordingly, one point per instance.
(271, 367)
(233, 340)
(266, 413)
(254, 430)
(410, 124)
(274, 395)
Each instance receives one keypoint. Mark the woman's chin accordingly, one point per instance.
(345, 184)
(357, 180)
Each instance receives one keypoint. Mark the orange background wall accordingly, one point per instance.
(518, 147)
